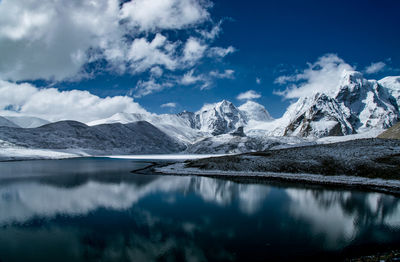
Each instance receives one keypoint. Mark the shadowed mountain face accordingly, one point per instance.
(134, 138)
(27, 121)
(5, 122)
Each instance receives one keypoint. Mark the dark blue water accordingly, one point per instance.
(97, 210)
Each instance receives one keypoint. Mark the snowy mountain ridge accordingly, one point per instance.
(392, 83)
(5, 122)
(138, 137)
(27, 121)
(355, 107)
(211, 120)
(358, 105)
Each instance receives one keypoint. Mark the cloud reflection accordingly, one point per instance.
(26, 200)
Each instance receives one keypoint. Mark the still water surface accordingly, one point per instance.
(97, 210)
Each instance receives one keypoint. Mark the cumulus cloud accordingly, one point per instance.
(322, 76)
(50, 39)
(143, 55)
(53, 40)
(156, 71)
(54, 105)
(249, 95)
(169, 105)
(375, 68)
(193, 50)
(165, 14)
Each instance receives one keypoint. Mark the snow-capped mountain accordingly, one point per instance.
(134, 138)
(178, 126)
(255, 111)
(27, 121)
(211, 120)
(356, 106)
(123, 118)
(219, 118)
(318, 116)
(5, 122)
(371, 103)
(392, 83)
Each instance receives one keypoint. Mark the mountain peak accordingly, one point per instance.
(358, 105)
(219, 118)
(225, 102)
(255, 111)
(392, 83)
(351, 80)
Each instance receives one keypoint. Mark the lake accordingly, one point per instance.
(95, 209)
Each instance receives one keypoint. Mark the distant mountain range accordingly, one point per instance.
(134, 138)
(356, 106)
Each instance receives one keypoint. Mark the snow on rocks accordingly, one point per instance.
(341, 180)
(369, 162)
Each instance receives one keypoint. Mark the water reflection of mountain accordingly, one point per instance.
(26, 199)
(144, 216)
(343, 215)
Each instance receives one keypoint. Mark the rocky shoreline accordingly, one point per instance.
(372, 164)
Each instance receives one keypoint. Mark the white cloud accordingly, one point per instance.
(144, 88)
(51, 39)
(193, 50)
(165, 14)
(220, 52)
(258, 80)
(249, 95)
(156, 71)
(375, 68)
(143, 55)
(228, 73)
(322, 76)
(54, 105)
(204, 81)
(169, 105)
(213, 33)
(189, 78)
(281, 80)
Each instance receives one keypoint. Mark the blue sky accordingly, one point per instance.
(269, 39)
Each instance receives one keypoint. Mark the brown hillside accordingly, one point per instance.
(391, 133)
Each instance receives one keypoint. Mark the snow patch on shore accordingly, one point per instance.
(19, 153)
(180, 169)
(163, 157)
